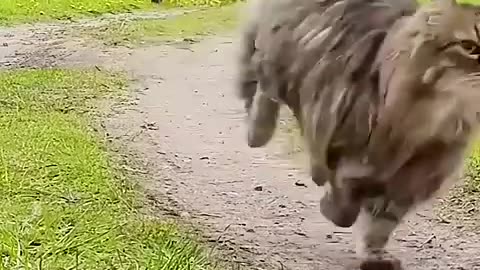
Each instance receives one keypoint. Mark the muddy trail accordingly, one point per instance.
(186, 129)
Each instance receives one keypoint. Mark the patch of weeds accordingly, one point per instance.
(63, 206)
(190, 26)
(22, 11)
(473, 171)
(462, 203)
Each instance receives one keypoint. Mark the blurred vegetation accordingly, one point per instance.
(189, 27)
(25, 11)
(462, 203)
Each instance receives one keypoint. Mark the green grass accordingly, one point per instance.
(462, 203)
(62, 203)
(22, 11)
(25, 11)
(193, 25)
(473, 171)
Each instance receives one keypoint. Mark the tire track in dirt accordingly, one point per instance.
(188, 128)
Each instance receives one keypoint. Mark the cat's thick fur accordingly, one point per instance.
(386, 94)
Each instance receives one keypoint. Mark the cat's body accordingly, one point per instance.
(386, 95)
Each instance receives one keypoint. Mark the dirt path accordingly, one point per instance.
(188, 128)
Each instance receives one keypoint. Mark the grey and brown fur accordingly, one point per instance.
(386, 94)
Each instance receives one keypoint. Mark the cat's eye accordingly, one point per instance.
(470, 46)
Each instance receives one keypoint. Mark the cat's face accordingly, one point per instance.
(443, 50)
(456, 28)
(454, 33)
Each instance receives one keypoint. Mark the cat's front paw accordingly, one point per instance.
(341, 213)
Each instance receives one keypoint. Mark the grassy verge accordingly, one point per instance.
(473, 171)
(62, 205)
(462, 203)
(22, 11)
(191, 26)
